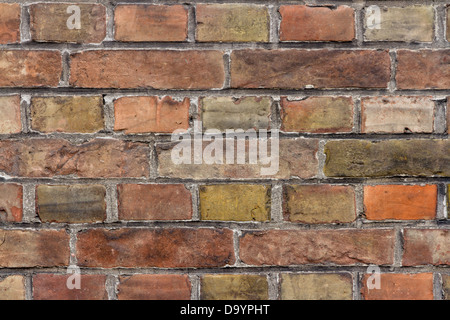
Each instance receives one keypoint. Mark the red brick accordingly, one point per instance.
(303, 23)
(11, 202)
(9, 23)
(154, 202)
(426, 247)
(154, 287)
(10, 121)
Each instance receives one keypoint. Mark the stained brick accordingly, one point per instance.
(10, 121)
(154, 287)
(446, 286)
(426, 246)
(11, 202)
(9, 23)
(234, 287)
(12, 288)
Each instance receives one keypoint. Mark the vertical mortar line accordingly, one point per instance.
(441, 212)
(227, 68)
(273, 285)
(29, 202)
(357, 114)
(438, 291)
(109, 116)
(276, 212)
(321, 157)
(359, 202)
(29, 286)
(65, 75)
(274, 24)
(359, 23)
(25, 34)
(398, 247)
(73, 261)
(194, 111)
(440, 121)
(110, 28)
(25, 111)
(275, 113)
(236, 240)
(112, 207)
(195, 286)
(153, 161)
(194, 188)
(356, 293)
(111, 286)
(439, 25)
(192, 23)
(392, 86)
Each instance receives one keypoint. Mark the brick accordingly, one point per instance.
(319, 204)
(138, 23)
(446, 286)
(154, 202)
(154, 287)
(423, 69)
(398, 202)
(9, 23)
(316, 286)
(10, 115)
(105, 158)
(71, 204)
(30, 248)
(358, 158)
(297, 247)
(158, 69)
(30, 68)
(235, 202)
(317, 115)
(245, 113)
(11, 196)
(12, 288)
(234, 287)
(409, 24)
(397, 114)
(150, 114)
(297, 69)
(54, 287)
(67, 114)
(400, 287)
(159, 248)
(303, 23)
(43, 29)
(426, 246)
(232, 23)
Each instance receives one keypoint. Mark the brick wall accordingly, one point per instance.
(87, 107)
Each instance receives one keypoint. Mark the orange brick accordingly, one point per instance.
(154, 287)
(11, 202)
(9, 23)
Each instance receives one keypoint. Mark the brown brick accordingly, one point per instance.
(423, 69)
(303, 23)
(67, 114)
(105, 158)
(151, 114)
(29, 68)
(30, 248)
(426, 246)
(137, 23)
(297, 69)
(10, 115)
(232, 23)
(446, 286)
(12, 288)
(154, 202)
(234, 202)
(317, 115)
(159, 69)
(316, 286)
(71, 204)
(319, 204)
(400, 202)
(54, 287)
(159, 248)
(297, 247)
(11, 202)
(234, 287)
(397, 114)
(55, 29)
(400, 287)
(154, 287)
(9, 23)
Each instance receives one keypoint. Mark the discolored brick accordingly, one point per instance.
(154, 287)
(446, 286)
(426, 247)
(234, 287)
(11, 197)
(10, 120)
(12, 288)
(9, 23)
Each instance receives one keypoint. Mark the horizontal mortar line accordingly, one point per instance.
(274, 2)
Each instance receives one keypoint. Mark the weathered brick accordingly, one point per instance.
(232, 23)
(30, 248)
(359, 158)
(446, 286)
(154, 287)
(160, 248)
(296, 247)
(297, 69)
(11, 202)
(105, 158)
(319, 204)
(137, 23)
(234, 202)
(12, 287)
(423, 69)
(413, 23)
(30, 68)
(159, 69)
(397, 114)
(67, 114)
(400, 287)
(303, 23)
(54, 287)
(234, 287)
(72, 204)
(43, 29)
(9, 23)
(317, 115)
(400, 202)
(151, 114)
(154, 202)
(10, 115)
(316, 286)
(426, 246)
(245, 113)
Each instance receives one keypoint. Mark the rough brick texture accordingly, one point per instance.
(9, 23)
(10, 116)
(234, 287)
(154, 287)
(11, 199)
